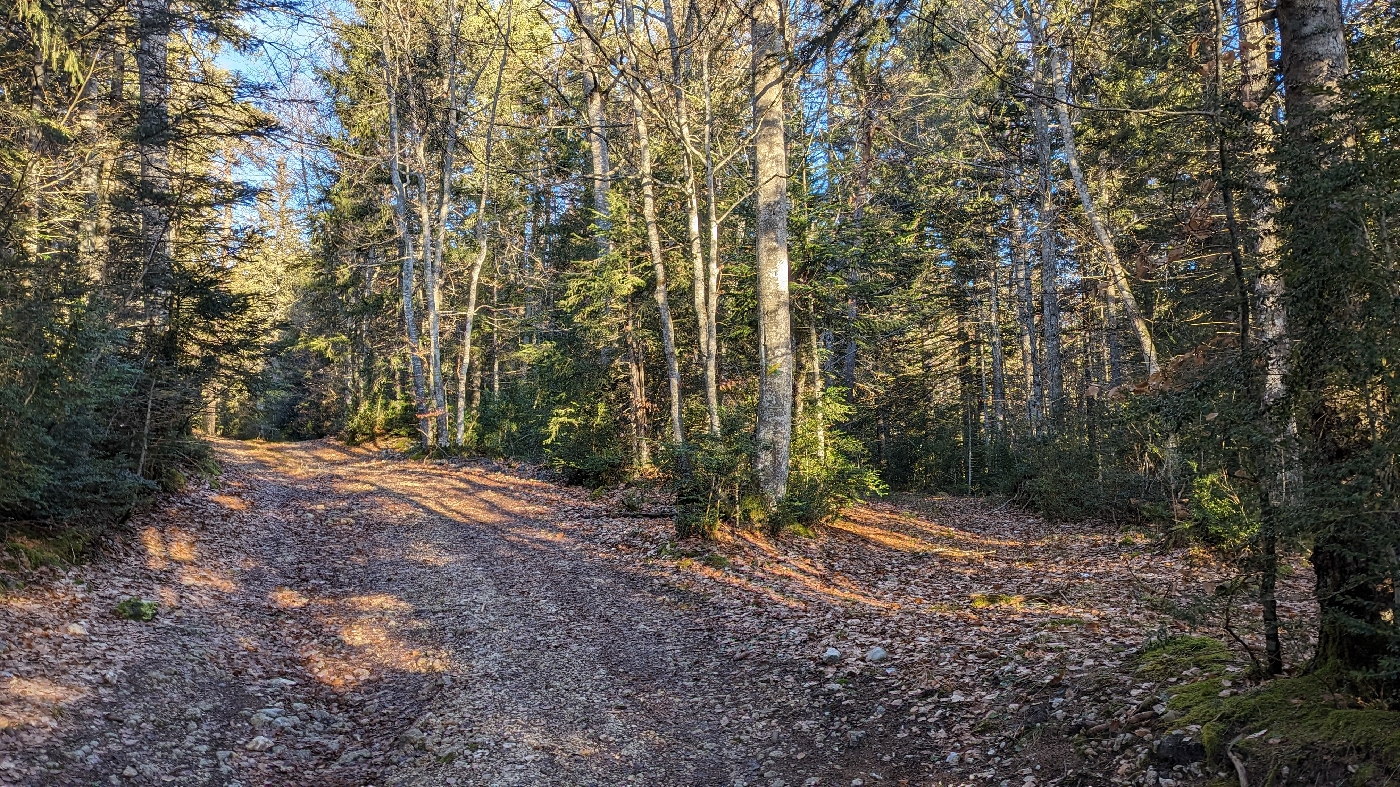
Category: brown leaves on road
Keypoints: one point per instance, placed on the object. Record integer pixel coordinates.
(337, 616)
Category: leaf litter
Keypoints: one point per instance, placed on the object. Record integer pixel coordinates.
(332, 615)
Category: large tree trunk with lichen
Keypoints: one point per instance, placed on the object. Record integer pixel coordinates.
(1350, 556)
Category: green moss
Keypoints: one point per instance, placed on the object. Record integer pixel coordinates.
(986, 600)
(1175, 655)
(134, 608)
(1213, 739)
(715, 560)
(1306, 725)
(29, 548)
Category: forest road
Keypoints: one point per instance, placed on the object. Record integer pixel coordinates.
(332, 617)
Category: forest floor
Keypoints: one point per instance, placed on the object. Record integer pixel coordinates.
(331, 615)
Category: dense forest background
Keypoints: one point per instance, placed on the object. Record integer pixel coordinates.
(1130, 260)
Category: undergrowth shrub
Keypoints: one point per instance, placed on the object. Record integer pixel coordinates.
(582, 445)
(829, 467)
(715, 482)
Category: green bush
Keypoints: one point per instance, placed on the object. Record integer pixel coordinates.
(713, 477)
(1222, 513)
(133, 608)
(829, 470)
(582, 445)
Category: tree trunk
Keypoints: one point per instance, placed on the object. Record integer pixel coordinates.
(1271, 338)
(153, 19)
(636, 373)
(1118, 279)
(1025, 318)
(818, 384)
(594, 100)
(1047, 217)
(482, 248)
(402, 229)
(998, 359)
(434, 260)
(658, 261)
(774, 429)
(699, 275)
(1350, 560)
(432, 288)
(712, 262)
(860, 198)
(92, 241)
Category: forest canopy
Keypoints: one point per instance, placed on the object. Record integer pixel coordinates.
(1130, 260)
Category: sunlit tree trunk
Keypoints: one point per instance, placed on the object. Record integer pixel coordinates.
(1047, 219)
(774, 431)
(712, 262)
(601, 164)
(1256, 95)
(435, 229)
(405, 237)
(482, 246)
(699, 276)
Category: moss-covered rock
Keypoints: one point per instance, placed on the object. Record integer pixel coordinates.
(1175, 656)
(1305, 724)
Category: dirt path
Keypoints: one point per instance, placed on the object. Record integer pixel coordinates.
(330, 616)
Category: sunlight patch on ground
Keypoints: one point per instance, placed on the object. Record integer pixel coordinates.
(231, 502)
(31, 702)
(286, 598)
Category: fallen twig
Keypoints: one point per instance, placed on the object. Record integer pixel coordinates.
(1235, 758)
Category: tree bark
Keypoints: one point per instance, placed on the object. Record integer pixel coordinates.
(408, 265)
(433, 257)
(594, 100)
(712, 262)
(1118, 279)
(998, 359)
(1025, 317)
(1256, 94)
(153, 20)
(658, 260)
(774, 428)
(1047, 217)
(1352, 565)
(482, 247)
(699, 275)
